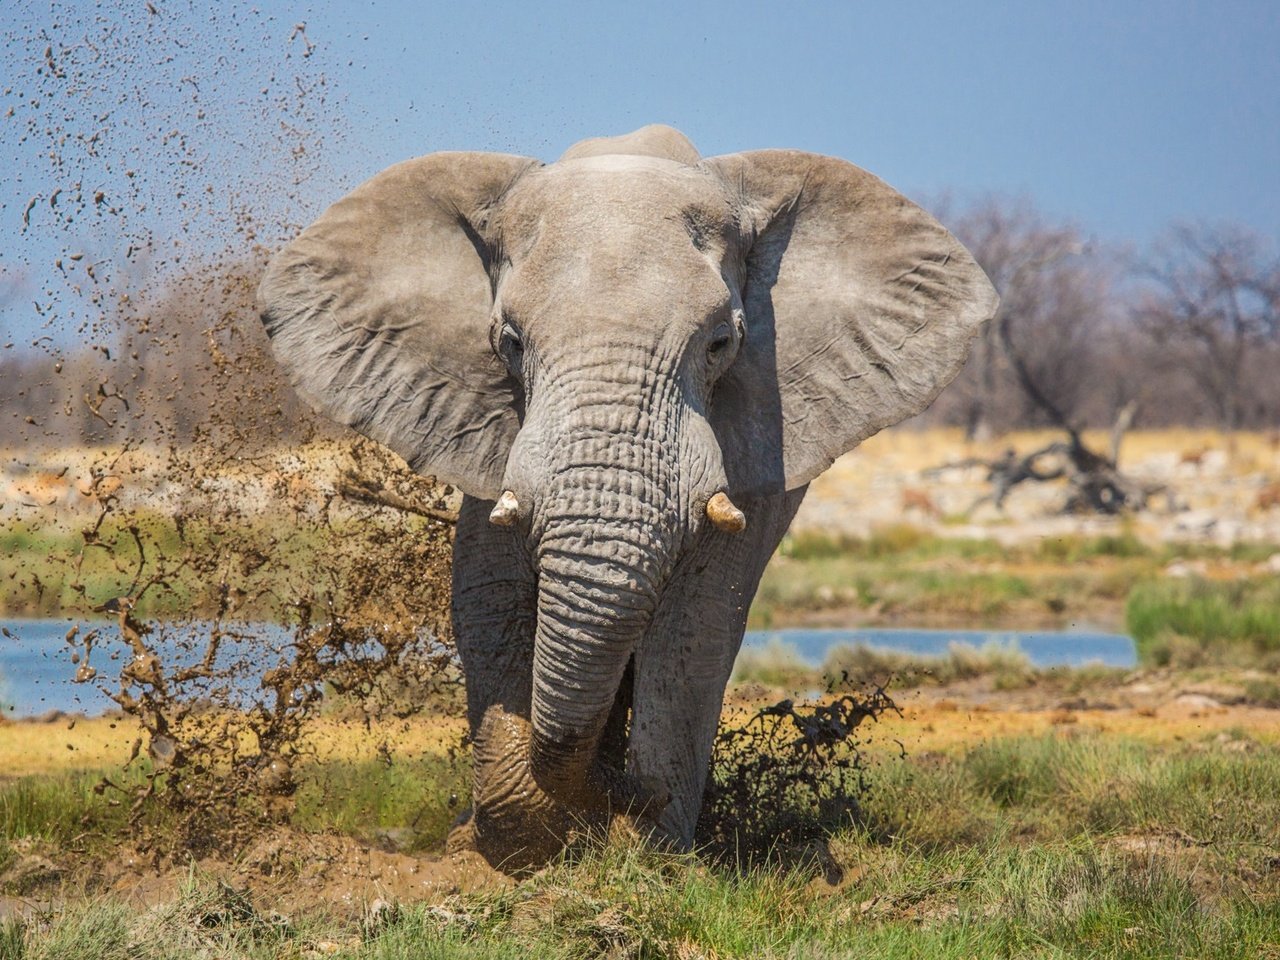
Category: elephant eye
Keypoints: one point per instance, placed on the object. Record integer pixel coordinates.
(510, 346)
(721, 340)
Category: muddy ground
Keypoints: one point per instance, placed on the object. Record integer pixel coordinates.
(293, 871)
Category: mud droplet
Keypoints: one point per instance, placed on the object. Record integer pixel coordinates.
(163, 751)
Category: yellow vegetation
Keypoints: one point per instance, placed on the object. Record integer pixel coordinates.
(103, 743)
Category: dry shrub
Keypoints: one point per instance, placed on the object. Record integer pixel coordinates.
(1007, 664)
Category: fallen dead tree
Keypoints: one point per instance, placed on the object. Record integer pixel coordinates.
(1095, 482)
(353, 486)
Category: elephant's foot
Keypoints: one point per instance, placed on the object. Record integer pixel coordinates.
(621, 793)
(635, 832)
(516, 825)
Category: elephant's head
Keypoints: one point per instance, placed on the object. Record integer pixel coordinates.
(615, 347)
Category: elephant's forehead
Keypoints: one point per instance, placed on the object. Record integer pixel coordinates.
(614, 197)
(618, 236)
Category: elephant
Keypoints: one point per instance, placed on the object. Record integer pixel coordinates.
(632, 362)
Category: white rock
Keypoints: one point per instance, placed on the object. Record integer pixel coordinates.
(1196, 701)
(1185, 568)
(1199, 522)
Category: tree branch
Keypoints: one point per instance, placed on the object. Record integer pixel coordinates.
(354, 487)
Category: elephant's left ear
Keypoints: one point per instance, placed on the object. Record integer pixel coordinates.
(860, 308)
(380, 314)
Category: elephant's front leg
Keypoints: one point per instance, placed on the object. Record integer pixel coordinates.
(684, 661)
(513, 823)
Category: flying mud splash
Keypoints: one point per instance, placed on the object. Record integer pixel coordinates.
(789, 775)
(163, 475)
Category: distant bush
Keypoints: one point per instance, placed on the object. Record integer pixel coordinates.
(895, 539)
(812, 545)
(776, 664)
(1263, 692)
(963, 661)
(1073, 548)
(887, 542)
(1197, 621)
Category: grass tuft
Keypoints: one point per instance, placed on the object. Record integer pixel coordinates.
(1196, 621)
(1008, 664)
(776, 664)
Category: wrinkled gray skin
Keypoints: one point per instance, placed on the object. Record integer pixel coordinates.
(615, 338)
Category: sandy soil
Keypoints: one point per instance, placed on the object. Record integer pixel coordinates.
(1219, 485)
(59, 742)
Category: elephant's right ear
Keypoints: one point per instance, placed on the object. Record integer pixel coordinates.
(860, 308)
(380, 312)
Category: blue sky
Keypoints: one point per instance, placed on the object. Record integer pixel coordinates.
(1123, 115)
(1120, 116)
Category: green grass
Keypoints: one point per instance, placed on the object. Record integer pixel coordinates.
(51, 562)
(60, 565)
(1030, 846)
(906, 541)
(903, 572)
(891, 587)
(777, 665)
(57, 808)
(412, 803)
(1007, 664)
(1195, 621)
(1263, 692)
(1072, 549)
(1077, 899)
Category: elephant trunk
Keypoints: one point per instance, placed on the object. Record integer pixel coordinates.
(597, 590)
(607, 523)
(610, 492)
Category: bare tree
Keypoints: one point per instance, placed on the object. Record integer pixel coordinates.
(1212, 298)
(1044, 360)
(1048, 356)
(167, 366)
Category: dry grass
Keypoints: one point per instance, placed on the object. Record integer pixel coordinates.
(36, 748)
(942, 720)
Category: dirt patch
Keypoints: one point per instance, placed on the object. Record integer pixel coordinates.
(283, 873)
(292, 872)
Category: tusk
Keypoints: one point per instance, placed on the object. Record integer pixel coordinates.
(506, 511)
(726, 517)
